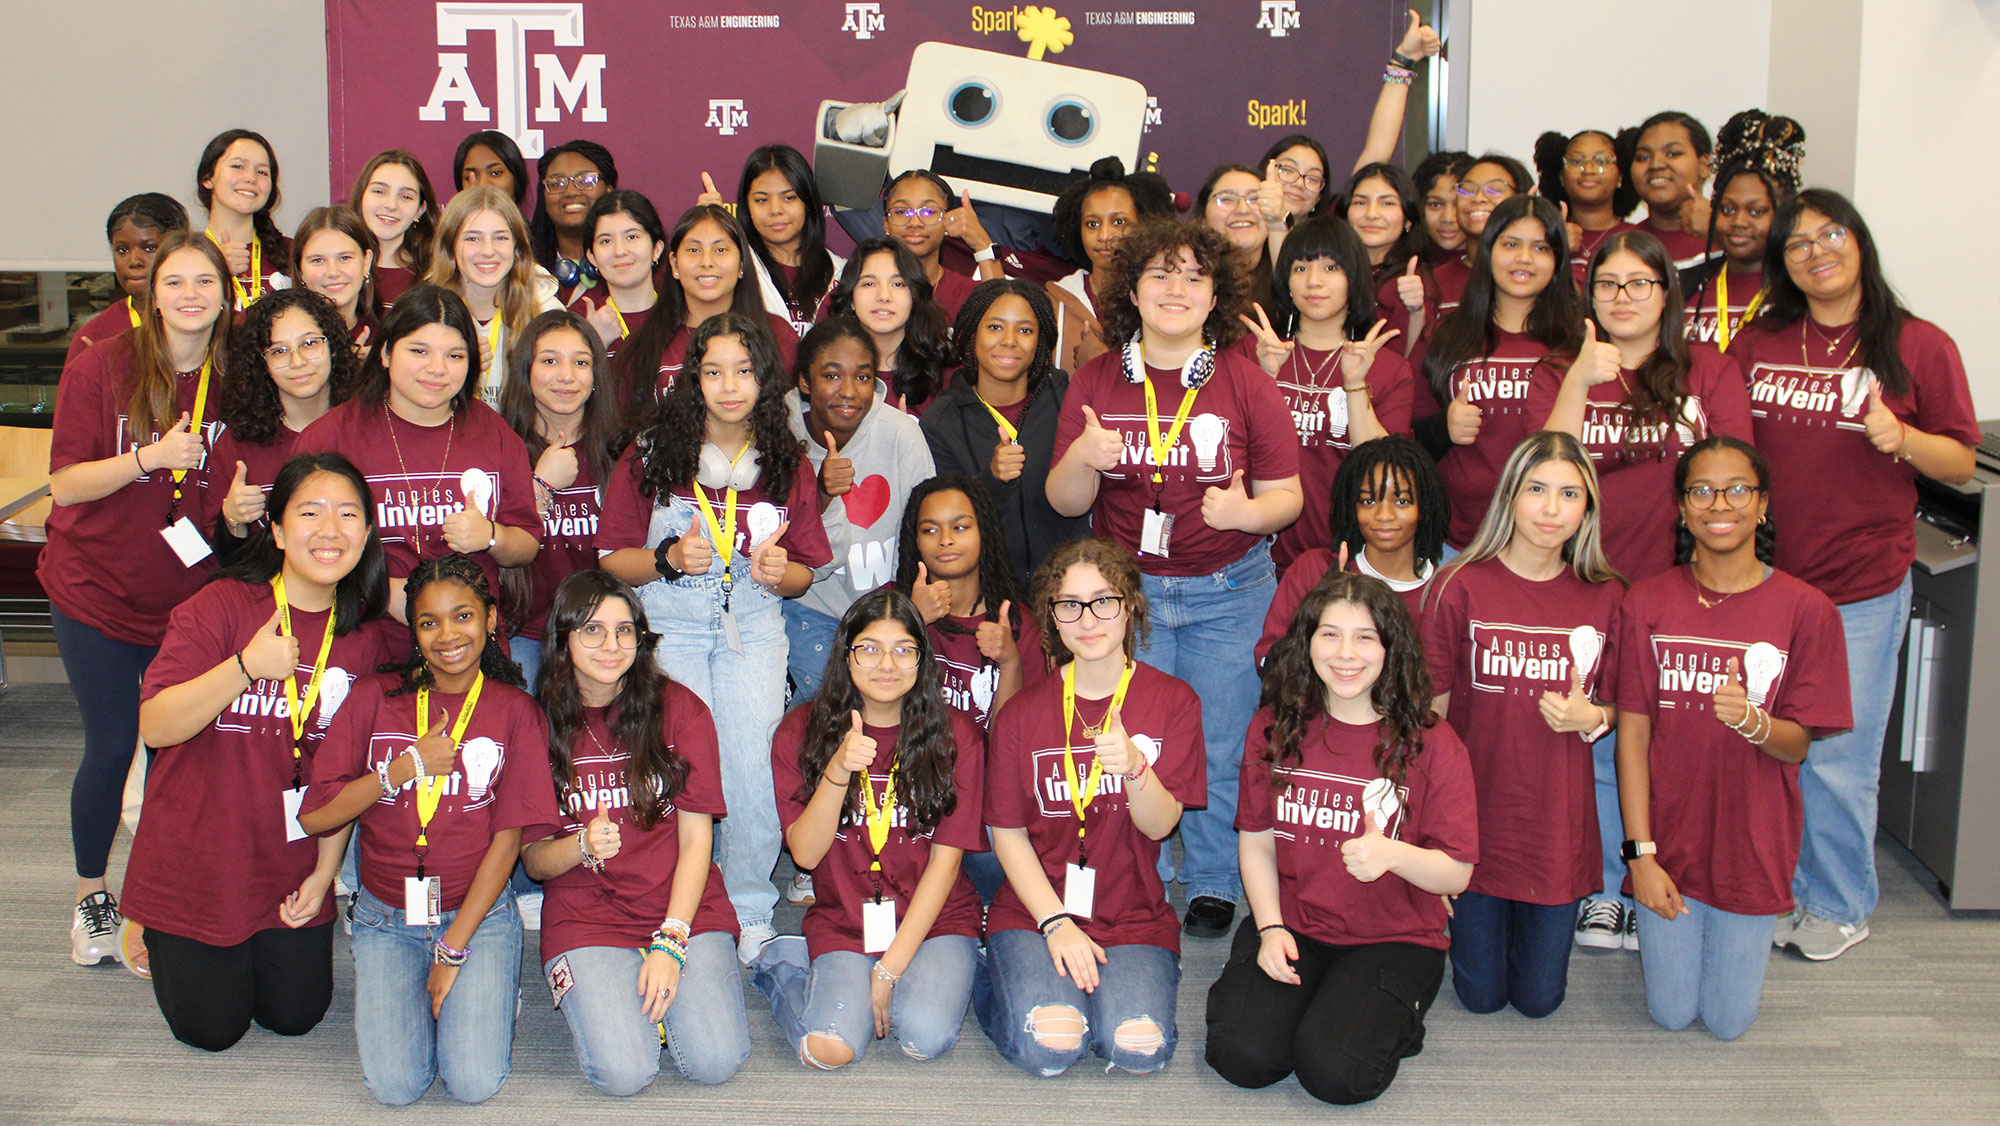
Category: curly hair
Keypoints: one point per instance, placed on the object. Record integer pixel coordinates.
(1120, 570)
(670, 446)
(926, 346)
(655, 772)
(1296, 695)
(1151, 199)
(460, 569)
(1163, 240)
(252, 406)
(1766, 544)
(996, 574)
(925, 756)
(1396, 463)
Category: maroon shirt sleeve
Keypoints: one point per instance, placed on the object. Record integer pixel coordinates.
(805, 540)
(1444, 631)
(1938, 384)
(1305, 573)
(524, 794)
(1725, 397)
(786, 743)
(1007, 801)
(628, 514)
(1392, 388)
(517, 482)
(1253, 780)
(1817, 692)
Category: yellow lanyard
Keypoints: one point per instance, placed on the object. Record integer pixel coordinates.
(243, 299)
(878, 820)
(623, 331)
(723, 532)
(1162, 446)
(200, 410)
(430, 790)
(1722, 308)
(1080, 799)
(132, 310)
(1008, 430)
(298, 711)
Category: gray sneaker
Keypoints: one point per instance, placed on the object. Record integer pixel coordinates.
(1781, 932)
(1822, 940)
(1600, 925)
(93, 930)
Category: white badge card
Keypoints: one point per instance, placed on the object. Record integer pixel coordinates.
(730, 636)
(421, 900)
(878, 925)
(1079, 890)
(1155, 532)
(186, 540)
(293, 798)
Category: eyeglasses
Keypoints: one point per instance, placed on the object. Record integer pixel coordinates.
(1703, 496)
(593, 635)
(915, 214)
(1292, 174)
(1638, 289)
(582, 181)
(1598, 163)
(1229, 201)
(1495, 191)
(869, 656)
(1834, 239)
(311, 348)
(1104, 609)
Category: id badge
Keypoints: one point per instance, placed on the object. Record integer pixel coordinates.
(421, 900)
(293, 798)
(1156, 531)
(730, 636)
(878, 925)
(1079, 890)
(186, 541)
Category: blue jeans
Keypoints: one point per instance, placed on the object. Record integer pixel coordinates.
(811, 634)
(1707, 963)
(1503, 951)
(1610, 819)
(527, 653)
(831, 996)
(619, 1049)
(1842, 776)
(1205, 630)
(470, 1044)
(1018, 978)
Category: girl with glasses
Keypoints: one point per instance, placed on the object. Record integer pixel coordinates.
(394, 197)
(572, 177)
(1228, 204)
(1486, 182)
(879, 784)
(919, 210)
(1580, 174)
(1731, 670)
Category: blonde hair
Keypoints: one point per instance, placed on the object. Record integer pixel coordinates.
(517, 302)
(1584, 552)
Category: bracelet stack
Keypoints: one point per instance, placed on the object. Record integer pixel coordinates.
(382, 776)
(1048, 926)
(672, 940)
(591, 863)
(443, 954)
(1397, 75)
(1756, 726)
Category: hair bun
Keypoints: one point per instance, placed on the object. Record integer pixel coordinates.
(1768, 143)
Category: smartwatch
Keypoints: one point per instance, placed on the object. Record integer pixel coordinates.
(1633, 850)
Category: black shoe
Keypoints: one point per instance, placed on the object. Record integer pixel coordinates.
(1209, 917)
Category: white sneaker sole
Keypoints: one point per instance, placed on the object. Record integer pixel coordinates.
(1854, 940)
(1594, 940)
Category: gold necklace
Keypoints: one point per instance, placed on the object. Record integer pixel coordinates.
(1831, 344)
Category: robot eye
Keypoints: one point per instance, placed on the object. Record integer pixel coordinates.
(1071, 121)
(973, 103)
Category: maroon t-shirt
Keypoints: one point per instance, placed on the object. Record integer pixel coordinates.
(1302, 575)
(261, 463)
(1498, 385)
(674, 357)
(417, 473)
(623, 904)
(628, 515)
(951, 291)
(1496, 642)
(113, 321)
(1026, 789)
(105, 564)
(1452, 276)
(1580, 254)
(1843, 510)
(1685, 249)
(210, 860)
(1311, 384)
(1703, 301)
(1636, 480)
(569, 545)
(1725, 815)
(842, 881)
(1238, 421)
(501, 782)
(392, 282)
(969, 678)
(1322, 801)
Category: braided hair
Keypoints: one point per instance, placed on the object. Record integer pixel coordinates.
(997, 583)
(1398, 464)
(460, 569)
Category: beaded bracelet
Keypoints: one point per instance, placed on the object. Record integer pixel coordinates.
(382, 775)
(676, 927)
(1394, 75)
(416, 756)
(591, 863)
(882, 974)
(444, 955)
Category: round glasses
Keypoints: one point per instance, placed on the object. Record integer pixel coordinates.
(869, 655)
(311, 348)
(1104, 609)
(1292, 174)
(915, 214)
(1598, 163)
(594, 635)
(1704, 496)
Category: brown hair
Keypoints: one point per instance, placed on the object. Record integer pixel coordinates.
(1164, 237)
(152, 408)
(346, 221)
(1118, 567)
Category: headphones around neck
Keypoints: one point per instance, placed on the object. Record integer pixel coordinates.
(568, 272)
(716, 471)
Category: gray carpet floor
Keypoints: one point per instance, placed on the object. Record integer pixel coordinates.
(1906, 1027)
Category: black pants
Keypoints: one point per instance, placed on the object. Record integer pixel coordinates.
(281, 978)
(1345, 1028)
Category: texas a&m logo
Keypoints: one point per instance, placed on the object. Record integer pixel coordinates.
(1280, 17)
(727, 115)
(576, 88)
(864, 20)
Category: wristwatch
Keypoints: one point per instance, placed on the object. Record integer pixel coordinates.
(1633, 850)
(667, 570)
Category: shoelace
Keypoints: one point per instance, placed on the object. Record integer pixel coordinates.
(1602, 913)
(100, 915)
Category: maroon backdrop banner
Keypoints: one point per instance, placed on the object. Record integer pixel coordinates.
(677, 88)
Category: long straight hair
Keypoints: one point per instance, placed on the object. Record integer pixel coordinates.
(921, 358)
(815, 263)
(423, 229)
(925, 756)
(420, 305)
(1659, 391)
(502, 146)
(541, 226)
(1584, 551)
(517, 302)
(1555, 321)
(656, 772)
(270, 241)
(1415, 241)
(1880, 326)
(152, 399)
(361, 595)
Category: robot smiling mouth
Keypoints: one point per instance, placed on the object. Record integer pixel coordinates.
(949, 162)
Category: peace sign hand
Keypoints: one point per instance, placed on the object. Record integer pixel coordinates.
(1358, 356)
(1273, 351)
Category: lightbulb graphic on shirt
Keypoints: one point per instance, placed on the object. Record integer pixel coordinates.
(1693, 422)
(1761, 665)
(1855, 383)
(1147, 746)
(1379, 802)
(763, 522)
(479, 759)
(333, 685)
(1585, 643)
(983, 684)
(1207, 430)
(476, 486)
(1336, 413)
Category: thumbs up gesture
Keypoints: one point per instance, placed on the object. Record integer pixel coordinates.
(836, 473)
(855, 754)
(600, 837)
(604, 319)
(1571, 712)
(768, 559)
(1271, 196)
(557, 465)
(179, 448)
(1732, 703)
(1369, 855)
(1103, 448)
(996, 640)
(1115, 749)
(271, 655)
(1574, 230)
(1273, 351)
(708, 193)
(696, 553)
(1226, 509)
(439, 751)
(244, 502)
(1886, 432)
(933, 599)
(1008, 460)
(1461, 416)
(1597, 361)
(962, 223)
(237, 254)
(1695, 213)
(1410, 287)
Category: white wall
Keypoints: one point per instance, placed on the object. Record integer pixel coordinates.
(107, 98)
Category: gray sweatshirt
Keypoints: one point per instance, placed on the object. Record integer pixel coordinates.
(890, 458)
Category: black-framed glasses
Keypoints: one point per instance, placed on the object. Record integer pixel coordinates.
(1834, 239)
(1292, 174)
(1597, 163)
(1104, 609)
(869, 655)
(594, 635)
(583, 181)
(1638, 289)
(915, 214)
(1703, 496)
(311, 348)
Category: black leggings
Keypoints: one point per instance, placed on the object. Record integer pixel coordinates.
(1355, 1014)
(106, 676)
(281, 978)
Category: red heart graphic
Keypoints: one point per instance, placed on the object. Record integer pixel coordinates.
(867, 500)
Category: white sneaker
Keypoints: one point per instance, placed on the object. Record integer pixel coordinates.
(530, 906)
(755, 937)
(1822, 940)
(801, 890)
(93, 930)
(1601, 925)
(1781, 931)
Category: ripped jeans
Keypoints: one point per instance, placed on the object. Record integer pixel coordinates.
(830, 996)
(1128, 1021)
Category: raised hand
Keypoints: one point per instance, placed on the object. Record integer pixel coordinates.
(855, 754)
(1597, 361)
(768, 559)
(1570, 712)
(179, 448)
(708, 193)
(557, 465)
(1115, 748)
(1572, 229)
(933, 599)
(1410, 287)
(1695, 212)
(1461, 417)
(244, 503)
(237, 254)
(604, 319)
(271, 655)
(1008, 461)
(600, 837)
(469, 530)
(697, 554)
(1273, 351)
(439, 749)
(1419, 40)
(996, 640)
(1731, 702)
(1271, 196)
(962, 223)
(1103, 448)
(1226, 509)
